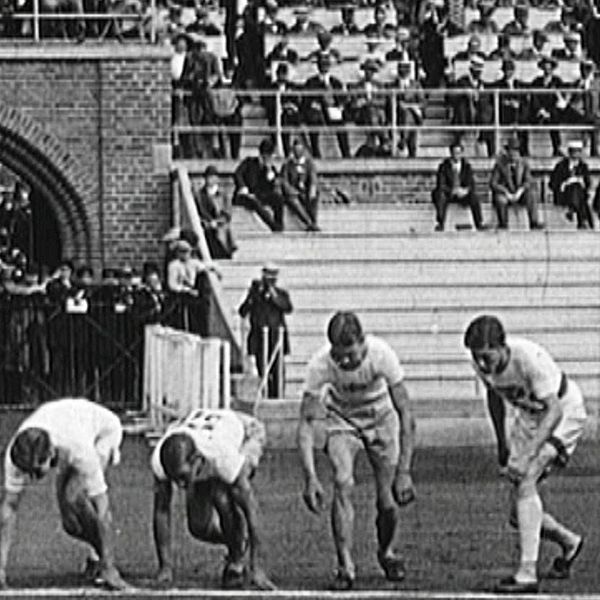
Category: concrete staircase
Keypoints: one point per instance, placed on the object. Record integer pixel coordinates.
(419, 290)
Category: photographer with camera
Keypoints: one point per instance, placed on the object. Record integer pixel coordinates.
(267, 304)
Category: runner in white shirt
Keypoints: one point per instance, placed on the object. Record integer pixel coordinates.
(81, 439)
(549, 420)
(213, 455)
(354, 387)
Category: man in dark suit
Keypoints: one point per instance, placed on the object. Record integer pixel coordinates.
(257, 186)
(570, 184)
(267, 304)
(520, 24)
(571, 49)
(347, 26)
(511, 184)
(455, 183)
(324, 107)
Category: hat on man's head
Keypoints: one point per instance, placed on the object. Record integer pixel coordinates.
(512, 143)
(522, 7)
(369, 64)
(508, 64)
(575, 145)
(182, 246)
(547, 60)
(486, 4)
(210, 170)
(540, 34)
(270, 268)
(324, 36)
(477, 63)
(181, 34)
(301, 10)
(349, 7)
(266, 147)
(588, 64)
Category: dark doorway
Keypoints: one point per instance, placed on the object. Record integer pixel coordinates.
(45, 235)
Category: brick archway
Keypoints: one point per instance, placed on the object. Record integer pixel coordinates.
(41, 160)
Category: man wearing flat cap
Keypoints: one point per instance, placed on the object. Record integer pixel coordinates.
(322, 107)
(266, 304)
(511, 185)
(570, 185)
(546, 106)
(348, 26)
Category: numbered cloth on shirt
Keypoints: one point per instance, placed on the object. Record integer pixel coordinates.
(225, 438)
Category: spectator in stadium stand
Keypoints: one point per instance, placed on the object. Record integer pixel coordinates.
(455, 183)
(266, 304)
(302, 25)
(4, 247)
(202, 25)
(547, 106)
(282, 53)
(271, 23)
(566, 23)
(215, 216)
(514, 108)
(325, 108)
(257, 186)
(433, 27)
(374, 147)
(485, 24)
(511, 185)
(379, 27)
(403, 48)
(570, 184)
(409, 110)
(503, 51)
(592, 34)
(572, 48)
(325, 39)
(365, 106)
(473, 49)
(538, 48)
(290, 104)
(300, 184)
(179, 103)
(520, 24)
(583, 106)
(184, 270)
(348, 25)
(150, 297)
(250, 72)
(61, 286)
(374, 50)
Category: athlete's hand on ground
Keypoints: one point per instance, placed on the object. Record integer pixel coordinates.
(165, 575)
(314, 495)
(258, 578)
(403, 489)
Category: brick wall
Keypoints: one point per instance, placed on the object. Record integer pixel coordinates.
(95, 118)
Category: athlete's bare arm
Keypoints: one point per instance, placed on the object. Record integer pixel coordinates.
(163, 492)
(8, 517)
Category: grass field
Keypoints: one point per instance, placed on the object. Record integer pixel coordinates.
(455, 537)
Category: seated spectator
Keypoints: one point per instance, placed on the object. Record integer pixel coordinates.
(150, 296)
(281, 52)
(503, 51)
(514, 108)
(379, 27)
(348, 26)
(214, 216)
(511, 185)
(409, 106)
(403, 49)
(570, 185)
(290, 104)
(538, 49)
(374, 147)
(473, 49)
(183, 270)
(583, 107)
(520, 24)
(365, 106)
(568, 21)
(571, 49)
(300, 186)
(271, 23)
(324, 39)
(257, 186)
(202, 25)
(455, 183)
(324, 108)
(546, 106)
(485, 24)
(302, 25)
(374, 51)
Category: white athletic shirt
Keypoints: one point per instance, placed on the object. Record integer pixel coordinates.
(530, 376)
(86, 435)
(218, 435)
(364, 388)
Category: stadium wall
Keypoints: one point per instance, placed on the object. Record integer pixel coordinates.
(89, 127)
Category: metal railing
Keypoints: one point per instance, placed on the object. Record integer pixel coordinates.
(390, 102)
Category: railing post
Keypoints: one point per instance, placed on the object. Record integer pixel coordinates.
(152, 21)
(36, 20)
(394, 124)
(496, 119)
(265, 360)
(278, 133)
(280, 363)
(226, 371)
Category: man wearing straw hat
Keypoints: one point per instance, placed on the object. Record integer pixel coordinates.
(267, 304)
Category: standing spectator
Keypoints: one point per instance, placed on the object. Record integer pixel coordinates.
(513, 107)
(511, 185)
(214, 216)
(520, 24)
(267, 304)
(409, 109)
(257, 186)
(183, 270)
(301, 186)
(180, 102)
(570, 184)
(325, 108)
(434, 25)
(348, 25)
(456, 183)
(250, 49)
(485, 24)
(544, 105)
